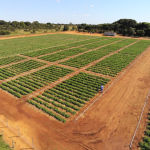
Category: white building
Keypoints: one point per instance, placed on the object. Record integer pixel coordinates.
(110, 33)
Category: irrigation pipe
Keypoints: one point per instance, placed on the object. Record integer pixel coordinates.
(139, 119)
(111, 84)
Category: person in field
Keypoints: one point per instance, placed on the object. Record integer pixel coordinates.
(101, 88)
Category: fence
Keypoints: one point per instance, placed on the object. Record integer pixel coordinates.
(17, 132)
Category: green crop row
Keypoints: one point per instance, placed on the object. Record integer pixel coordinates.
(145, 144)
(18, 68)
(6, 73)
(60, 101)
(112, 65)
(57, 48)
(51, 107)
(100, 43)
(31, 82)
(46, 111)
(73, 93)
(136, 48)
(45, 51)
(8, 60)
(87, 41)
(118, 45)
(62, 54)
(85, 59)
(16, 94)
(56, 104)
(26, 66)
(26, 44)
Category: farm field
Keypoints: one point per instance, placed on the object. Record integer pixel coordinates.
(72, 93)
(58, 48)
(16, 69)
(89, 57)
(53, 96)
(27, 84)
(8, 60)
(114, 64)
(21, 45)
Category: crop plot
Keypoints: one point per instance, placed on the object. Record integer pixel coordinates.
(89, 57)
(68, 97)
(117, 46)
(9, 60)
(58, 48)
(26, 44)
(45, 51)
(112, 65)
(29, 83)
(101, 43)
(137, 48)
(84, 59)
(87, 41)
(19, 68)
(63, 54)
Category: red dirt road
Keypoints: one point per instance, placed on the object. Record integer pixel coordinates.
(108, 125)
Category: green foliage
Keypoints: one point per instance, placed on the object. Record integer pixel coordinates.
(100, 43)
(3, 145)
(66, 27)
(24, 44)
(140, 32)
(112, 65)
(58, 48)
(63, 54)
(29, 83)
(136, 48)
(8, 60)
(4, 32)
(18, 68)
(71, 94)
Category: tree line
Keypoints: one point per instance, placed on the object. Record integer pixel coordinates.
(8, 27)
(126, 27)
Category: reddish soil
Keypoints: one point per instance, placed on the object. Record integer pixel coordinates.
(108, 125)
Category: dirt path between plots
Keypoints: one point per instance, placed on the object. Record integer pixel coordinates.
(68, 32)
(109, 124)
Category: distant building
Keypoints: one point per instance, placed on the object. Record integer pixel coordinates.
(110, 33)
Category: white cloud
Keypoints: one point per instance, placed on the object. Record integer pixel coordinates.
(74, 15)
(91, 5)
(86, 15)
(57, 0)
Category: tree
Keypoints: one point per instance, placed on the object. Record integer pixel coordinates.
(131, 31)
(2, 22)
(140, 32)
(66, 28)
(16, 24)
(22, 24)
(27, 23)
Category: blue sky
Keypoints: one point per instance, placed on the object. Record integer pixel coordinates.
(75, 11)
